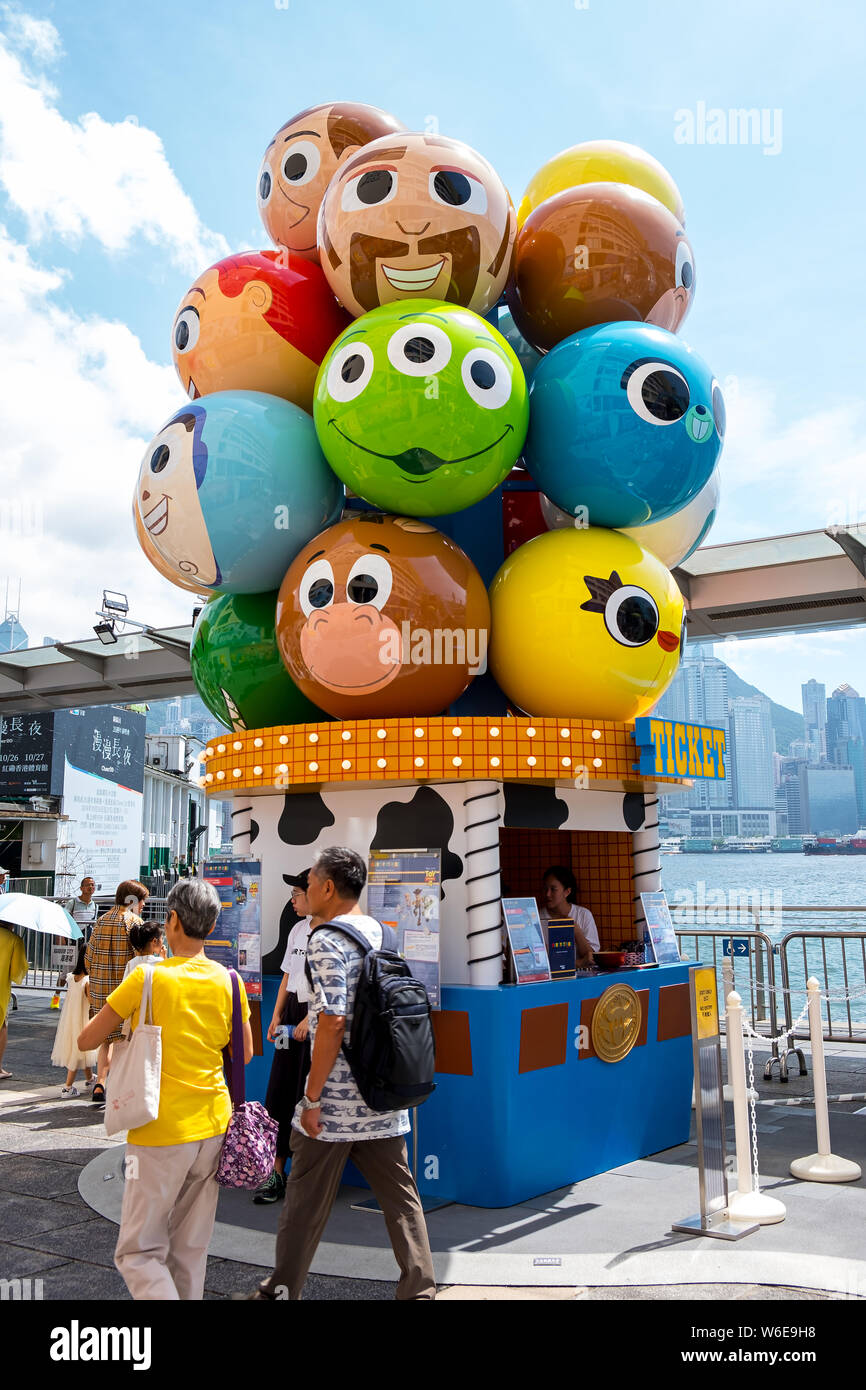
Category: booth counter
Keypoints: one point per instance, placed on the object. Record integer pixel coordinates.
(524, 1103)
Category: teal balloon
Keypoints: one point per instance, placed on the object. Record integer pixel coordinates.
(237, 667)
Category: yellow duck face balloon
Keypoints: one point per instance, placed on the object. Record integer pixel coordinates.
(585, 624)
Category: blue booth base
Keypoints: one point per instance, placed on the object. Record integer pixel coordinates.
(525, 1106)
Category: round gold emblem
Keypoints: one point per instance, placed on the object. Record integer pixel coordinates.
(616, 1023)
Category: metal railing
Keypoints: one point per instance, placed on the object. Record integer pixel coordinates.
(771, 974)
(42, 974)
(754, 972)
(841, 975)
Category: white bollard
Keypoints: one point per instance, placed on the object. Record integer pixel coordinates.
(727, 989)
(747, 1203)
(823, 1166)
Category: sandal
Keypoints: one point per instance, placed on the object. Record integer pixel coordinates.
(5, 1075)
(98, 1093)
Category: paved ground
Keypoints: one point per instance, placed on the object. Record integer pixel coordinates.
(50, 1233)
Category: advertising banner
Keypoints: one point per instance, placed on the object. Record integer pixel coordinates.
(237, 939)
(403, 891)
(26, 743)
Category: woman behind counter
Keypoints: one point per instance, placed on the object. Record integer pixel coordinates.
(560, 902)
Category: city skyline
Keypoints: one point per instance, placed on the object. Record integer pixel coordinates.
(817, 785)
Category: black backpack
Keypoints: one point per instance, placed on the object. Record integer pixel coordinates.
(391, 1051)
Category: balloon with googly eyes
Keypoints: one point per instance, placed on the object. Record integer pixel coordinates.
(416, 216)
(301, 160)
(382, 615)
(421, 408)
(599, 253)
(230, 489)
(626, 425)
(585, 624)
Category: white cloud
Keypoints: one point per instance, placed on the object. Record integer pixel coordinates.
(90, 177)
(783, 474)
(36, 36)
(80, 401)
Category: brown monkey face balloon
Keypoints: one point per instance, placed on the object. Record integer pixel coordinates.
(382, 615)
(599, 253)
(302, 159)
(416, 216)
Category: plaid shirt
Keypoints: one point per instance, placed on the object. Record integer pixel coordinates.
(106, 956)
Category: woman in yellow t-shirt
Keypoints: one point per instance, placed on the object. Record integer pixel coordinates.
(13, 968)
(170, 1193)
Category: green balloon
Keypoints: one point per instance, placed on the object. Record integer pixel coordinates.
(237, 667)
(421, 408)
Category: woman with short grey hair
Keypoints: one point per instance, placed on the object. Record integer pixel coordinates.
(170, 1193)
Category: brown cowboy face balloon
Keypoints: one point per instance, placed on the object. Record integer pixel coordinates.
(599, 253)
(302, 159)
(416, 217)
(382, 615)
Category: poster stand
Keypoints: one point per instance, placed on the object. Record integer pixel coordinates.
(713, 1219)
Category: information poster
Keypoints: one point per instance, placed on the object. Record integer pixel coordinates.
(404, 892)
(237, 939)
(659, 937)
(526, 939)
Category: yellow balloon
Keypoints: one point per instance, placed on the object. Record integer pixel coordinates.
(601, 161)
(586, 624)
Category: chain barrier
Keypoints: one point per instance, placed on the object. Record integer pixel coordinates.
(749, 1031)
(780, 989)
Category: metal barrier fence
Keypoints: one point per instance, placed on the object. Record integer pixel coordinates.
(771, 966)
(42, 973)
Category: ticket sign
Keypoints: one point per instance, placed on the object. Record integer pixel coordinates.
(706, 1003)
(673, 748)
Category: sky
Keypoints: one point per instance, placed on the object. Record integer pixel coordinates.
(130, 142)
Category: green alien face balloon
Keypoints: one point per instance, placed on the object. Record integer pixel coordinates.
(421, 408)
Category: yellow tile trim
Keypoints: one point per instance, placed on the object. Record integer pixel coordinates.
(355, 752)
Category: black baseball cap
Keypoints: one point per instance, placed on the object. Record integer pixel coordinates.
(301, 880)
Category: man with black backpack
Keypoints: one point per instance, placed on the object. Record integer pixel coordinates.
(360, 986)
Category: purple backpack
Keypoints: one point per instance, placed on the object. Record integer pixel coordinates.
(250, 1145)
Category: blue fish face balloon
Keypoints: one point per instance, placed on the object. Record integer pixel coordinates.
(231, 488)
(625, 421)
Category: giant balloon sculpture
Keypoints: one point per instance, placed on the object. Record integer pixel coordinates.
(355, 356)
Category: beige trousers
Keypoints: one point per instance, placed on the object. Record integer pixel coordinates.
(166, 1222)
(311, 1191)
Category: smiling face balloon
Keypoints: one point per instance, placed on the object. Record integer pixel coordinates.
(302, 159)
(626, 422)
(415, 216)
(421, 408)
(586, 625)
(230, 489)
(382, 615)
(256, 322)
(603, 253)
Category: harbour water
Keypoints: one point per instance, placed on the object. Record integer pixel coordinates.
(720, 891)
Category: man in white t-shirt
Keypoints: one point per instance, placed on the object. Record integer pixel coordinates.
(332, 1122)
(83, 910)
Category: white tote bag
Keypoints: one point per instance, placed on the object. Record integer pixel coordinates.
(132, 1090)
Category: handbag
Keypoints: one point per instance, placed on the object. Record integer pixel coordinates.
(250, 1145)
(132, 1089)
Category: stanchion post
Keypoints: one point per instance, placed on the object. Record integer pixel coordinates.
(747, 1203)
(823, 1166)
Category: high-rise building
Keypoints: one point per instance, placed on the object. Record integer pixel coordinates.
(753, 744)
(846, 719)
(829, 800)
(815, 714)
